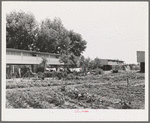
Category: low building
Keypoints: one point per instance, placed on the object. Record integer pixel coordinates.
(109, 64)
(141, 60)
(16, 57)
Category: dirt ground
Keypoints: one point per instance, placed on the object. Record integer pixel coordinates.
(123, 90)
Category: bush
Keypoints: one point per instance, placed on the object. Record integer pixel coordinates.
(64, 74)
(75, 73)
(10, 86)
(55, 98)
(34, 99)
(54, 74)
(59, 75)
(101, 71)
(63, 88)
(98, 71)
(70, 76)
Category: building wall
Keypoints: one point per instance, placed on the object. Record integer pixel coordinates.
(141, 59)
(28, 57)
(115, 63)
(142, 66)
(16, 58)
(111, 62)
(104, 61)
(140, 56)
(107, 67)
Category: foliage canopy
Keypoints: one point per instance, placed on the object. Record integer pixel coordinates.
(24, 32)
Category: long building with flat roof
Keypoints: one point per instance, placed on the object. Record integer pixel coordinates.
(109, 64)
(16, 58)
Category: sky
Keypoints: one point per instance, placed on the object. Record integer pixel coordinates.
(113, 30)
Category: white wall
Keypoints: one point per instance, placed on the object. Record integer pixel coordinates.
(16, 57)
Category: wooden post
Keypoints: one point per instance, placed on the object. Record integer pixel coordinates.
(10, 71)
(34, 68)
(13, 68)
(127, 82)
(19, 71)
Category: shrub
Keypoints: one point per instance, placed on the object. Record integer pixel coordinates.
(63, 88)
(59, 75)
(70, 76)
(97, 71)
(101, 71)
(34, 99)
(75, 73)
(17, 99)
(64, 74)
(10, 86)
(55, 98)
(54, 74)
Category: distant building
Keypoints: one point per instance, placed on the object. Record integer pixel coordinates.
(109, 64)
(141, 60)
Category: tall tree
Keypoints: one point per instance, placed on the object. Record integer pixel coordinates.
(53, 37)
(97, 63)
(77, 45)
(73, 46)
(82, 64)
(87, 62)
(20, 29)
(23, 32)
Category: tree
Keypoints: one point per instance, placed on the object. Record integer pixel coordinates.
(73, 46)
(23, 32)
(82, 64)
(53, 37)
(69, 60)
(97, 63)
(87, 63)
(81, 61)
(91, 64)
(77, 45)
(20, 29)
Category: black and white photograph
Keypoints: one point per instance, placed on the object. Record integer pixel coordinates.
(75, 60)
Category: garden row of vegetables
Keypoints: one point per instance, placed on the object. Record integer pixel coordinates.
(96, 92)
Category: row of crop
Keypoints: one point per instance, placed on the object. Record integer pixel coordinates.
(102, 94)
(46, 83)
(31, 99)
(82, 97)
(86, 95)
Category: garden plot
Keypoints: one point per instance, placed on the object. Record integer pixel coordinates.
(109, 91)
